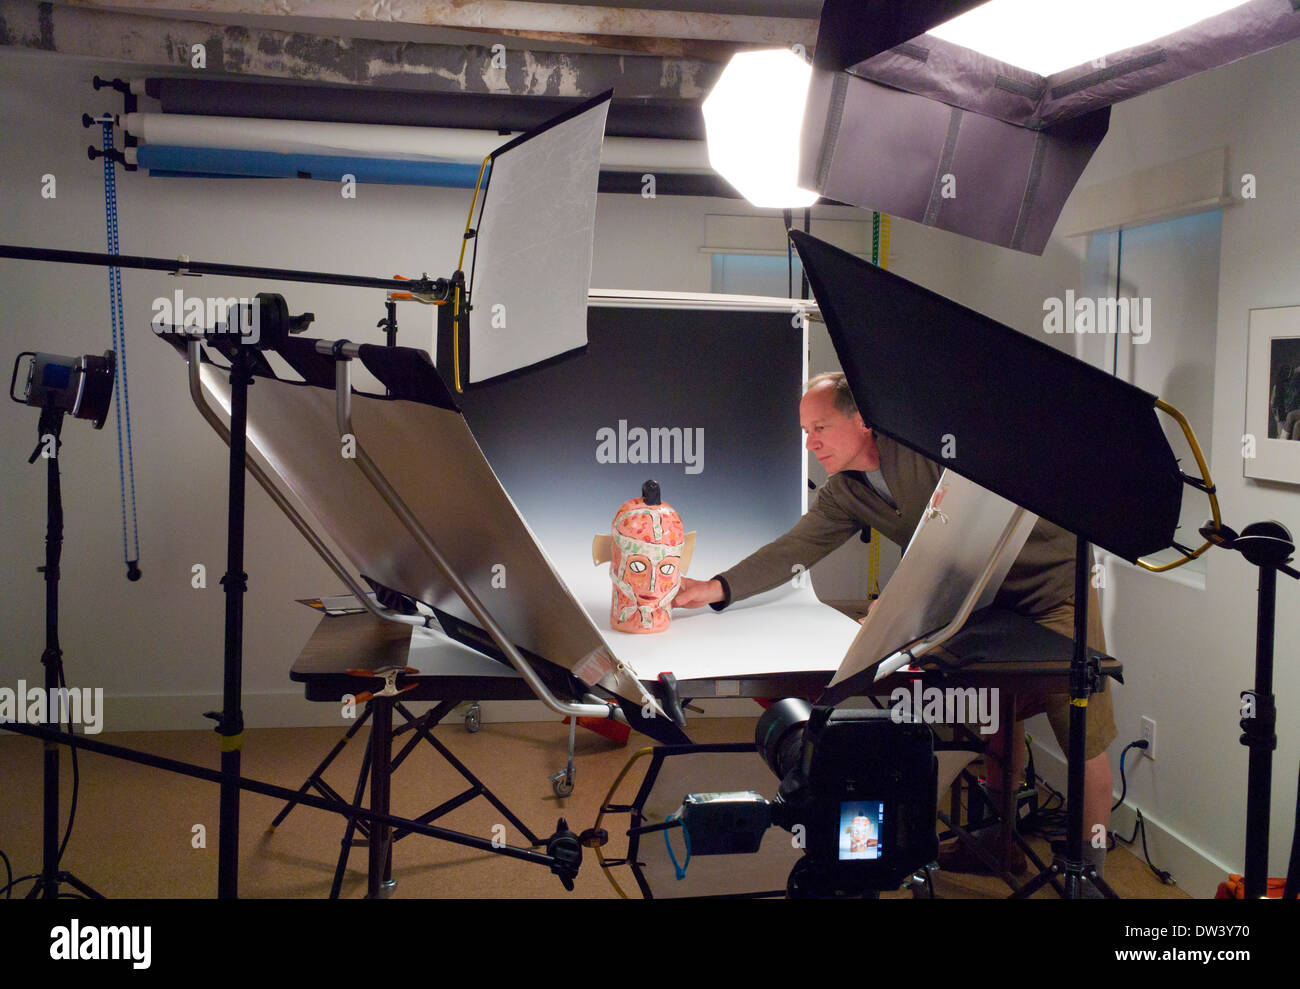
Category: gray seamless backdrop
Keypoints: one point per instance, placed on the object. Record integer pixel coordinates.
(736, 375)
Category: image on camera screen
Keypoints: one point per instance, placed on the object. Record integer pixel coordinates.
(861, 823)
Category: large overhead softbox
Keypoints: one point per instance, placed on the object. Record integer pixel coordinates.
(982, 123)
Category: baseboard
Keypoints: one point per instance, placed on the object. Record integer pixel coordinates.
(1193, 869)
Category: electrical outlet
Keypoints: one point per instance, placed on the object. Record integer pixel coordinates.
(1149, 734)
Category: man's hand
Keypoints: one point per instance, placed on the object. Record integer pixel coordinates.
(697, 593)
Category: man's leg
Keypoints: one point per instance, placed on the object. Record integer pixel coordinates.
(1005, 747)
(1098, 782)
(1098, 789)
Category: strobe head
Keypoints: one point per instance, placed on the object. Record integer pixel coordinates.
(82, 386)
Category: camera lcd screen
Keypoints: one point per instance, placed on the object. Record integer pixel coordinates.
(862, 824)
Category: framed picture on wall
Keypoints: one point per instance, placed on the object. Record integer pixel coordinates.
(1273, 395)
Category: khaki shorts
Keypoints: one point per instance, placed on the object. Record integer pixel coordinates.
(1101, 707)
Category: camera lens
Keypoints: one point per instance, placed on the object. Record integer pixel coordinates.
(779, 734)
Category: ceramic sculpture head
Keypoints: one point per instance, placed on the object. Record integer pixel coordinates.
(647, 543)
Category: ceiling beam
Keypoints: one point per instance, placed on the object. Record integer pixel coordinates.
(159, 42)
(510, 16)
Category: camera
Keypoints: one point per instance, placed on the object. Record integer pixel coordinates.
(863, 786)
(859, 788)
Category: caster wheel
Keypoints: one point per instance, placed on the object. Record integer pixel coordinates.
(562, 784)
(473, 719)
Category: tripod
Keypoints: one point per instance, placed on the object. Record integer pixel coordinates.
(51, 878)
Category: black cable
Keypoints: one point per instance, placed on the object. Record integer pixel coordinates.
(803, 277)
(1141, 825)
(9, 876)
(1119, 257)
(1141, 743)
(1049, 820)
(8, 889)
(788, 217)
(76, 775)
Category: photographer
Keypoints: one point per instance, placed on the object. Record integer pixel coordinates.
(879, 483)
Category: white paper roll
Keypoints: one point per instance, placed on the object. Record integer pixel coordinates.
(386, 140)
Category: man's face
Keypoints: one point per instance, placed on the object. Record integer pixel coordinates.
(839, 442)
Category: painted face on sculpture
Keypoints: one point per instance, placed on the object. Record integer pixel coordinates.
(860, 834)
(645, 565)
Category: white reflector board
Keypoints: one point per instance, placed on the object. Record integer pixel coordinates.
(957, 536)
(532, 252)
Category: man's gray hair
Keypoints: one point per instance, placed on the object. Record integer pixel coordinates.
(844, 403)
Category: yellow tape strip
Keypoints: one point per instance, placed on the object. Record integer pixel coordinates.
(232, 743)
(873, 565)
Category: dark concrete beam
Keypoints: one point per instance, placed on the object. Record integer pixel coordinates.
(156, 43)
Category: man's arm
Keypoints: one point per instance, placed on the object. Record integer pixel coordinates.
(826, 526)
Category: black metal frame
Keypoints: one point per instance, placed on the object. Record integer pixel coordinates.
(279, 792)
(424, 285)
(637, 827)
(377, 765)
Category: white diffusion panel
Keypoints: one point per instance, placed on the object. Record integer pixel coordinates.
(532, 261)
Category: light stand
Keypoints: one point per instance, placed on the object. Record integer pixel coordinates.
(48, 432)
(230, 719)
(1084, 675)
(1268, 546)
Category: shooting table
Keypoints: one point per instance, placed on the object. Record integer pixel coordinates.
(998, 649)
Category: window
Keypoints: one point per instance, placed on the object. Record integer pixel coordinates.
(1169, 273)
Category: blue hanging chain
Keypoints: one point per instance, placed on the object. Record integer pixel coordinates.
(125, 465)
(679, 869)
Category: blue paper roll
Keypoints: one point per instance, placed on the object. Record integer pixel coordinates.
(230, 163)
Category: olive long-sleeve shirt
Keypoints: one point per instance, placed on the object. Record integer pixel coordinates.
(1041, 578)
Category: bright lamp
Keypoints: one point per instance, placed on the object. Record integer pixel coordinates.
(752, 119)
